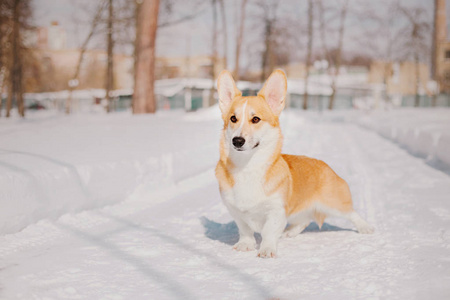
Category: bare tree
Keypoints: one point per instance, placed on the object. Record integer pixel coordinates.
(169, 17)
(15, 72)
(144, 100)
(110, 64)
(309, 51)
(213, 50)
(3, 34)
(336, 59)
(323, 29)
(75, 79)
(416, 43)
(439, 34)
(240, 37)
(269, 10)
(20, 13)
(274, 40)
(117, 21)
(381, 35)
(337, 65)
(224, 30)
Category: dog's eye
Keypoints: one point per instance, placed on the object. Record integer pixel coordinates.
(255, 120)
(233, 119)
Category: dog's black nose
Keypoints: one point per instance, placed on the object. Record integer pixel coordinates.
(238, 141)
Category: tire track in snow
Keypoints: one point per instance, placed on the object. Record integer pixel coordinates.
(377, 159)
(328, 141)
(46, 232)
(359, 163)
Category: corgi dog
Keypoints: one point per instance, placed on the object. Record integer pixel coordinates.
(263, 189)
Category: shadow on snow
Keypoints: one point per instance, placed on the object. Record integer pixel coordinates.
(229, 233)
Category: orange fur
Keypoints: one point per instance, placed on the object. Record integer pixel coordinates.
(314, 181)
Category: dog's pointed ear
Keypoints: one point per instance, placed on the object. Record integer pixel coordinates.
(274, 91)
(227, 90)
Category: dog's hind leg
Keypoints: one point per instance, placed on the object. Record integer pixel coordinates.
(338, 202)
(297, 224)
(295, 229)
(361, 225)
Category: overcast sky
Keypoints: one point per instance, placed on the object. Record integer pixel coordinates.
(192, 37)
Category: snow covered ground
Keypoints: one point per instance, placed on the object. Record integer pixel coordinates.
(127, 207)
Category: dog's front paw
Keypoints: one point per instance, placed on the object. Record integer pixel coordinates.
(267, 252)
(366, 229)
(244, 246)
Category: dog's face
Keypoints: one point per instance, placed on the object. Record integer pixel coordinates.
(251, 122)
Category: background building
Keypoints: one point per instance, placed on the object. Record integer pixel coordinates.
(199, 66)
(400, 77)
(441, 51)
(57, 63)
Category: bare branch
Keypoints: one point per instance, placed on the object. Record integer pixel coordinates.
(94, 24)
(182, 19)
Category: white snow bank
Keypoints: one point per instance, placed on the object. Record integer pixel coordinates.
(425, 132)
(51, 165)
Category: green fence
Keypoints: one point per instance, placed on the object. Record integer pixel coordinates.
(426, 101)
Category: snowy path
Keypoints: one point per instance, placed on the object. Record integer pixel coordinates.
(176, 243)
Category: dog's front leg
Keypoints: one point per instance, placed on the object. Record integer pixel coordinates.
(271, 232)
(246, 237)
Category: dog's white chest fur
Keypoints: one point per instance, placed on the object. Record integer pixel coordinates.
(248, 191)
(247, 199)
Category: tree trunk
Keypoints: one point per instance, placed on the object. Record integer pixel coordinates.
(144, 100)
(20, 100)
(16, 72)
(322, 32)
(338, 54)
(214, 52)
(309, 52)
(225, 35)
(417, 69)
(333, 93)
(10, 99)
(137, 29)
(2, 78)
(17, 61)
(239, 40)
(386, 74)
(434, 99)
(1, 100)
(439, 36)
(109, 70)
(267, 50)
